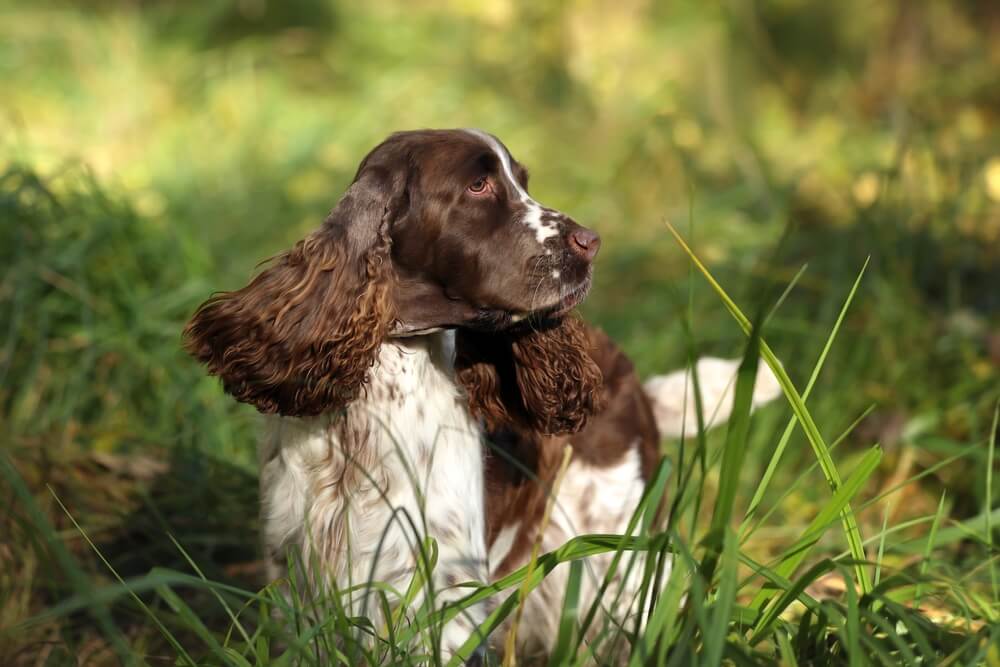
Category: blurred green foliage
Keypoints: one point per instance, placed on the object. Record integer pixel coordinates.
(225, 130)
(156, 151)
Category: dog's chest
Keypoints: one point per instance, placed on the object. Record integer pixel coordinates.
(403, 462)
(429, 441)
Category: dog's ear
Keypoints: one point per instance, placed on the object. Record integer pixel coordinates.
(543, 378)
(301, 337)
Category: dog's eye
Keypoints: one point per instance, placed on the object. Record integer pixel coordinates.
(479, 186)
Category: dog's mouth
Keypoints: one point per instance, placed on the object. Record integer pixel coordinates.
(502, 320)
(569, 301)
(560, 308)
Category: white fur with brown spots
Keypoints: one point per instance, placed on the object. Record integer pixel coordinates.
(601, 500)
(354, 494)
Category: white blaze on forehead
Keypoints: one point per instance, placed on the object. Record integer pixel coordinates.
(533, 216)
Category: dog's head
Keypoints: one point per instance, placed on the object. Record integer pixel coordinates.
(437, 230)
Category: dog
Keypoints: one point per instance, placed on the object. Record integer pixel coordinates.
(427, 319)
(347, 341)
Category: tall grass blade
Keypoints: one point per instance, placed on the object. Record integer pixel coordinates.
(749, 530)
(790, 595)
(510, 642)
(929, 548)
(988, 500)
(568, 619)
(649, 506)
(77, 578)
(715, 635)
(779, 450)
(786, 650)
(169, 636)
(881, 546)
(732, 454)
(191, 620)
(852, 629)
(834, 507)
(218, 596)
(849, 521)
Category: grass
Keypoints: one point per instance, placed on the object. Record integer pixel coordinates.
(151, 157)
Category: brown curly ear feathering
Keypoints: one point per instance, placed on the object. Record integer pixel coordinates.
(300, 339)
(540, 378)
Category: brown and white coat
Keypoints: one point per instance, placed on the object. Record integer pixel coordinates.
(347, 342)
(428, 311)
(613, 457)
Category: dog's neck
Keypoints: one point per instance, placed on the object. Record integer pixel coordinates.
(438, 344)
(403, 331)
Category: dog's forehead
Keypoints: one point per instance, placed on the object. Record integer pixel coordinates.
(441, 151)
(472, 143)
(491, 143)
(442, 154)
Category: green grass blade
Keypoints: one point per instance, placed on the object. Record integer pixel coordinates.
(786, 650)
(849, 521)
(191, 620)
(736, 437)
(929, 547)
(749, 530)
(852, 629)
(262, 640)
(834, 507)
(969, 529)
(582, 546)
(568, 619)
(648, 506)
(734, 449)
(772, 465)
(659, 629)
(788, 596)
(77, 578)
(218, 596)
(776, 581)
(912, 621)
(177, 646)
(988, 500)
(881, 547)
(235, 657)
(906, 655)
(715, 636)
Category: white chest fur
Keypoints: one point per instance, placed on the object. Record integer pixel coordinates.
(354, 493)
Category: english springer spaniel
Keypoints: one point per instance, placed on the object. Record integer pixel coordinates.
(375, 437)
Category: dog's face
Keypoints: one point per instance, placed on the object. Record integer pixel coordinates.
(436, 231)
(470, 246)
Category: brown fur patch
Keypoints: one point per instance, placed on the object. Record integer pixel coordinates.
(522, 464)
(540, 378)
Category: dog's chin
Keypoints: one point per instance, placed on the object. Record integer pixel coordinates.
(570, 301)
(513, 321)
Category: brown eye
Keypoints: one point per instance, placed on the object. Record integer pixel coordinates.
(479, 185)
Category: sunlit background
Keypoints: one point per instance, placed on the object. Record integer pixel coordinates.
(152, 152)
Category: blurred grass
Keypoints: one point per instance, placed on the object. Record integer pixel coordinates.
(152, 152)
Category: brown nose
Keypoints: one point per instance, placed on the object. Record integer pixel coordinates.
(584, 243)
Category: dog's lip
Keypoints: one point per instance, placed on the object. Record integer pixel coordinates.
(568, 302)
(556, 310)
(575, 297)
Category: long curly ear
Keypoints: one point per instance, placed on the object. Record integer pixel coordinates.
(300, 338)
(542, 378)
(484, 366)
